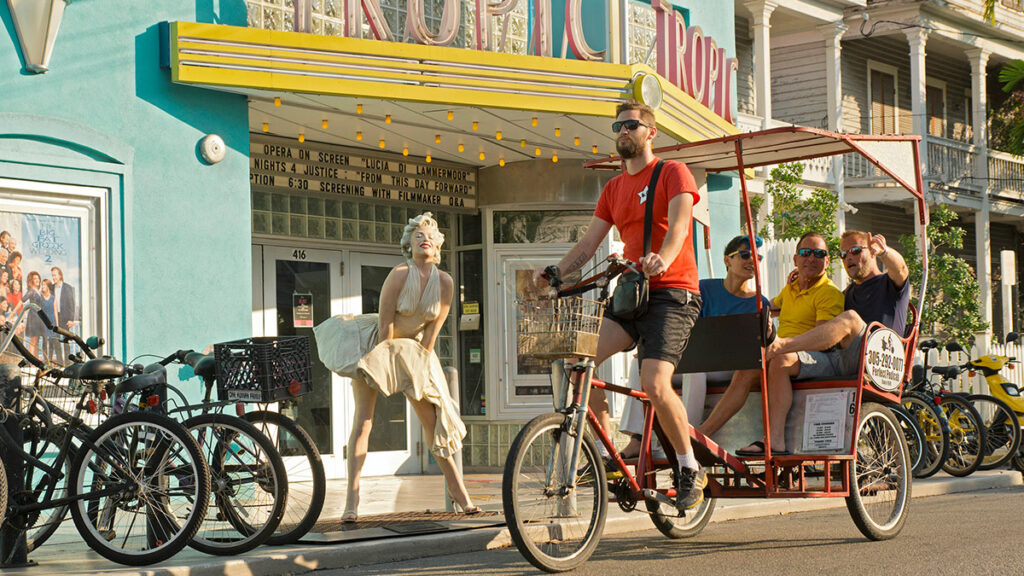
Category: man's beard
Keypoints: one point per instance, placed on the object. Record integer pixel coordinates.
(627, 148)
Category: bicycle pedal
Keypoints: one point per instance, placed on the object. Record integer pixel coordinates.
(107, 534)
(659, 498)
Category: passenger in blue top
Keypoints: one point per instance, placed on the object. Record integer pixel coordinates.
(733, 294)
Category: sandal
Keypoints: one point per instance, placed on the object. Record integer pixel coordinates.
(756, 448)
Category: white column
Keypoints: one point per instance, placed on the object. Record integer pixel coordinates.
(978, 58)
(833, 33)
(761, 12)
(917, 38)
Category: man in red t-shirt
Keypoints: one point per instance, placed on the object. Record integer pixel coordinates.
(661, 335)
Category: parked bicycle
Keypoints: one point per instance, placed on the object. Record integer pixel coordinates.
(136, 484)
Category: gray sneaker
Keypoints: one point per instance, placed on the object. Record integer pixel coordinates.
(690, 488)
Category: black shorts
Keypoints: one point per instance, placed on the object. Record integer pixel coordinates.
(662, 333)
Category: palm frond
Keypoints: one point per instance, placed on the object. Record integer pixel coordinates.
(1011, 75)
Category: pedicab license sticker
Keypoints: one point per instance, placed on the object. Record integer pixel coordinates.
(883, 359)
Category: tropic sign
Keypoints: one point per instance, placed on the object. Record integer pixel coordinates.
(686, 56)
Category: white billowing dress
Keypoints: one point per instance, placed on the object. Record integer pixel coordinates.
(401, 364)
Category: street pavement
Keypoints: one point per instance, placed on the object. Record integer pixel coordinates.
(373, 543)
(973, 533)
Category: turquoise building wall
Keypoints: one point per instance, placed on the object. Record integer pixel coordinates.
(105, 114)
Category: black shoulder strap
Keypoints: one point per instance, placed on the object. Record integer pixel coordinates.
(649, 212)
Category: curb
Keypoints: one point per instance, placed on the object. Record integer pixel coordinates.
(306, 558)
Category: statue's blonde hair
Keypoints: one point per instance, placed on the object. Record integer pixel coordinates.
(429, 225)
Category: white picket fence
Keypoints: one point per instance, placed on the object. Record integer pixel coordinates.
(977, 384)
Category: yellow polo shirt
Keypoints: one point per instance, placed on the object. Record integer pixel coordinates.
(801, 310)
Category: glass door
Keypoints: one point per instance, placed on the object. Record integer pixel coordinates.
(395, 441)
(300, 289)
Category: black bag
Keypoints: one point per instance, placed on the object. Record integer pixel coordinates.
(629, 301)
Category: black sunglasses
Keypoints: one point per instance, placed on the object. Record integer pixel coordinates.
(854, 250)
(629, 124)
(745, 255)
(818, 252)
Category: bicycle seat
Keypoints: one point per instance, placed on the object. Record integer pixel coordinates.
(72, 372)
(946, 371)
(141, 382)
(101, 369)
(929, 344)
(206, 367)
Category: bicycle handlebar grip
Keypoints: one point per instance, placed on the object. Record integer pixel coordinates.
(95, 342)
(554, 275)
(46, 319)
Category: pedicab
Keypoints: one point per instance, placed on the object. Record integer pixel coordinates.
(556, 490)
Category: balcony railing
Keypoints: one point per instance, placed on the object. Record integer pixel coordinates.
(1005, 174)
(950, 162)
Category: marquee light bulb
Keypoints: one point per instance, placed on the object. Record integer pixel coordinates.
(476, 125)
(482, 155)
(501, 161)
(554, 157)
(536, 152)
(277, 100)
(429, 159)
(359, 135)
(324, 124)
(594, 149)
(533, 121)
(359, 108)
(437, 139)
(451, 115)
(558, 132)
(266, 127)
(302, 137)
(405, 151)
(522, 143)
(387, 119)
(381, 143)
(497, 135)
(461, 147)
(576, 141)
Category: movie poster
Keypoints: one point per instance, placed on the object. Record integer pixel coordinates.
(41, 262)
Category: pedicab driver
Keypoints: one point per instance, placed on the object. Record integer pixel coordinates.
(661, 335)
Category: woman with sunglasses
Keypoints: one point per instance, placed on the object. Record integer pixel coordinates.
(808, 300)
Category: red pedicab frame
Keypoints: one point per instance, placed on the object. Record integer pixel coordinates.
(731, 477)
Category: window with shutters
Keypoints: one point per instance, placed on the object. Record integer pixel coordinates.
(882, 91)
(935, 108)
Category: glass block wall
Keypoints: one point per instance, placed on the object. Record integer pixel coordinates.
(642, 28)
(312, 217)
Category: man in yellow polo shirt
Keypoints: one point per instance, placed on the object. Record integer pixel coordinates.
(808, 300)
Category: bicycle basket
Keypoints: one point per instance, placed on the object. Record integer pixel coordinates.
(265, 369)
(559, 328)
(62, 393)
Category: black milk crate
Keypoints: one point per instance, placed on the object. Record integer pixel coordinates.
(263, 369)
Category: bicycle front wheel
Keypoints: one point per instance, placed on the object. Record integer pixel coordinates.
(967, 438)
(304, 468)
(556, 526)
(141, 488)
(45, 487)
(1002, 432)
(248, 485)
(935, 428)
(880, 475)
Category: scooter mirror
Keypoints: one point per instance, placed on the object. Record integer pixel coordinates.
(954, 347)
(1012, 337)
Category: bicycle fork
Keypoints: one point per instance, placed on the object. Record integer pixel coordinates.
(564, 466)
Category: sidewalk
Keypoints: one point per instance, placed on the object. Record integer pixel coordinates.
(67, 554)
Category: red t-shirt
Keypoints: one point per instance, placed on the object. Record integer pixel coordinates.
(622, 204)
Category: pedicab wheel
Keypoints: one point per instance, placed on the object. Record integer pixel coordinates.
(1002, 431)
(666, 518)
(141, 488)
(3, 492)
(1017, 462)
(935, 428)
(555, 527)
(967, 438)
(879, 475)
